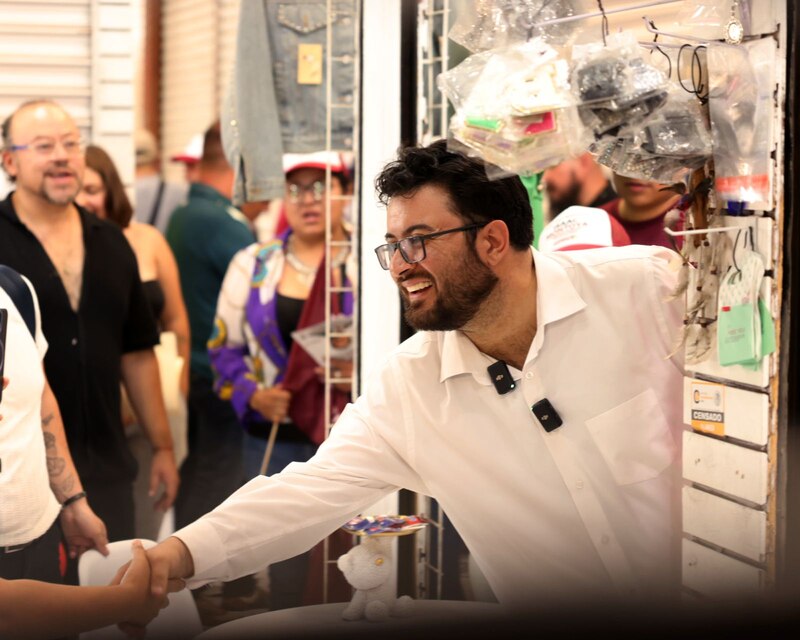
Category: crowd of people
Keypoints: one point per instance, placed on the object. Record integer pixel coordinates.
(151, 359)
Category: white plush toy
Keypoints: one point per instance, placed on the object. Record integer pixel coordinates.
(368, 569)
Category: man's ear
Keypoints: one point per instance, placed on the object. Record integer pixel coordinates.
(9, 164)
(493, 242)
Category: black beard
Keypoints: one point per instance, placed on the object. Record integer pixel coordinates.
(458, 303)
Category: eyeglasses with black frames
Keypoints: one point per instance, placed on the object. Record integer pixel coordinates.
(412, 248)
(316, 189)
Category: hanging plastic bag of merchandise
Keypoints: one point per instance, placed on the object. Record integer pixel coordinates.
(741, 84)
(667, 146)
(513, 108)
(745, 334)
(481, 25)
(712, 19)
(613, 85)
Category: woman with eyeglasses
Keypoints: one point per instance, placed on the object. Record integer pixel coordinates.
(270, 290)
(103, 194)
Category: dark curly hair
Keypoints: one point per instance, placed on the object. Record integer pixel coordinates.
(474, 197)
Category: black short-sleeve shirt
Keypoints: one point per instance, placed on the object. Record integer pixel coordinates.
(83, 360)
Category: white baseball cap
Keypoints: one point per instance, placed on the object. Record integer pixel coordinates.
(583, 228)
(192, 152)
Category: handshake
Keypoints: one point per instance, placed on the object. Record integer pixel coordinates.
(133, 598)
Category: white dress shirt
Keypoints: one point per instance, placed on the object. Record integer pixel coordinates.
(591, 508)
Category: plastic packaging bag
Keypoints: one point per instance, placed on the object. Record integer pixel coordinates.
(491, 24)
(665, 147)
(741, 84)
(613, 85)
(513, 107)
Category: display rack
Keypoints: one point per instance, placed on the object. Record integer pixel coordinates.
(332, 246)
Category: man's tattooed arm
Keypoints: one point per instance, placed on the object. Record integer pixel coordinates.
(63, 478)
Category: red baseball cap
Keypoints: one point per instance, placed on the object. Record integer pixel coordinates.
(192, 152)
(583, 228)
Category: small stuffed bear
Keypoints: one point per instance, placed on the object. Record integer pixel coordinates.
(368, 569)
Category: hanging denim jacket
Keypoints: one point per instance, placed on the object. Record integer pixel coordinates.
(268, 111)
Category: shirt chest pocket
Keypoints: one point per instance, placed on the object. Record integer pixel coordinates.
(634, 438)
(304, 18)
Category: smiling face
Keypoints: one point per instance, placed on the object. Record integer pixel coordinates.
(92, 195)
(304, 213)
(444, 291)
(55, 175)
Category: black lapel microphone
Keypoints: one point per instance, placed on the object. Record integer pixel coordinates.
(543, 410)
(501, 377)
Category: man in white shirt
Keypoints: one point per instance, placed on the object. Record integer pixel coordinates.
(558, 466)
(41, 496)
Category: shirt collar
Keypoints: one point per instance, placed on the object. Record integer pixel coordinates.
(556, 298)
(7, 209)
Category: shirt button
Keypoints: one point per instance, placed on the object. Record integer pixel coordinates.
(74, 341)
(579, 484)
(529, 375)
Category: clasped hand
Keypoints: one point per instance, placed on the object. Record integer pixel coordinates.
(145, 603)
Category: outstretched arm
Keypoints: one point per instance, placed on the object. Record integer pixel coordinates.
(34, 609)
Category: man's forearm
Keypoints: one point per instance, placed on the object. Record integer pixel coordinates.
(141, 378)
(64, 480)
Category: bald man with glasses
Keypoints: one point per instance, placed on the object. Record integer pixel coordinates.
(95, 317)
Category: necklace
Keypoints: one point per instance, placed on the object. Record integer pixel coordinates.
(304, 272)
(307, 273)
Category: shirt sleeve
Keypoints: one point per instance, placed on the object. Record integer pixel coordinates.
(277, 517)
(227, 349)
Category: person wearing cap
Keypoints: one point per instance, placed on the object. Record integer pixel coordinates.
(583, 228)
(270, 290)
(204, 234)
(156, 198)
(190, 158)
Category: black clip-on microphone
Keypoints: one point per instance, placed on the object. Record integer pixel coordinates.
(503, 383)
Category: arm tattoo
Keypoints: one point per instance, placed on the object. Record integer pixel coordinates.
(46, 420)
(49, 441)
(55, 466)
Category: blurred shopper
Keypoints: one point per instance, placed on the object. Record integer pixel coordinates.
(270, 290)
(583, 228)
(641, 208)
(577, 181)
(104, 195)
(204, 235)
(156, 198)
(94, 312)
(190, 158)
